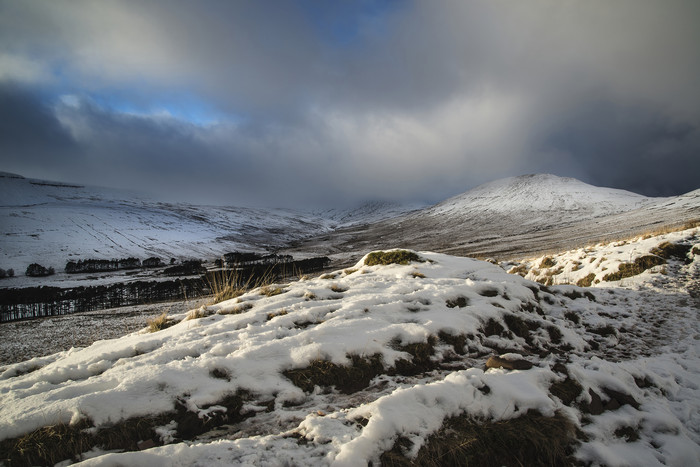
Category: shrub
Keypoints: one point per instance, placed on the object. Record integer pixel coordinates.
(547, 262)
(392, 257)
(604, 331)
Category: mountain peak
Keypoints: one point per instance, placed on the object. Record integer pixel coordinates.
(542, 193)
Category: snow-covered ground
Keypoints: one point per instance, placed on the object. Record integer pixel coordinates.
(594, 264)
(418, 336)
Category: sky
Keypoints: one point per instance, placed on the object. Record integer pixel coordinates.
(326, 103)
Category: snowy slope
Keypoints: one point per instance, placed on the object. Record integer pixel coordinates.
(50, 223)
(424, 330)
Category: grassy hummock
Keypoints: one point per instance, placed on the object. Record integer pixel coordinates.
(392, 257)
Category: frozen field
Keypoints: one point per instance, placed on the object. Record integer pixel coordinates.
(22, 340)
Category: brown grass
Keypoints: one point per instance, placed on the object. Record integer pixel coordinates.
(586, 281)
(531, 439)
(346, 379)
(637, 267)
(271, 291)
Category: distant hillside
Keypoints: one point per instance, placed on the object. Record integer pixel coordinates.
(52, 222)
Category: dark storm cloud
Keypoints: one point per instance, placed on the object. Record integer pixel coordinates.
(334, 101)
(633, 148)
(30, 134)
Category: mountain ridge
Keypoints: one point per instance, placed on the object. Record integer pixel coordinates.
(53, 222)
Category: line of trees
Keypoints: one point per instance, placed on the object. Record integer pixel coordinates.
(101, 265)
(237, 259)
(36, 302)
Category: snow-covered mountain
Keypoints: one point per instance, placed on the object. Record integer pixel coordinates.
(517, 216)
(555, 197)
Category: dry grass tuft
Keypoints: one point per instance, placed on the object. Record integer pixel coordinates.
(225, 285)
(271, 291)
(520, 270)
(197, 314)
(47, 446)
(55, 443)
(586, 281)
(160, 323)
